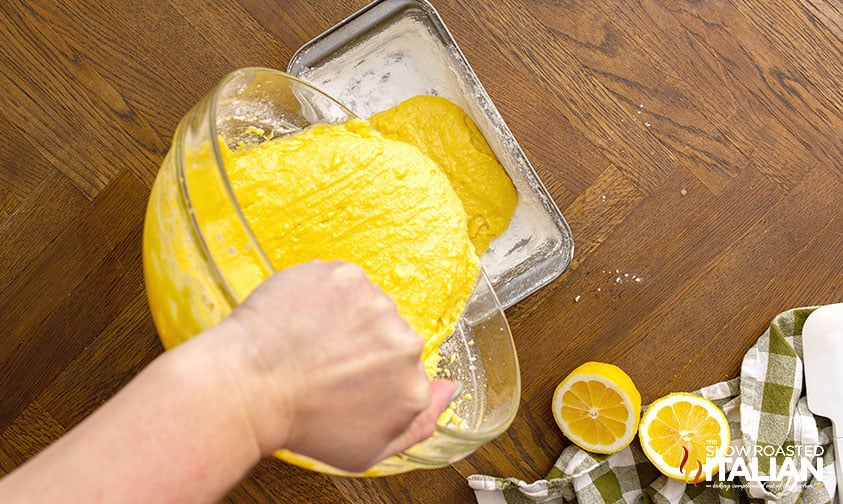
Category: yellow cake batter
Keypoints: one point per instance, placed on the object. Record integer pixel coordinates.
(445, 133)
(345, 192)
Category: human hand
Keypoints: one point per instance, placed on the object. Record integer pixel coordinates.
(332, 371)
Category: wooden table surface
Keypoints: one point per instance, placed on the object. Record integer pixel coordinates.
(693, 146)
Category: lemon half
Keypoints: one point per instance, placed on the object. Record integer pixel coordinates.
(597, 407)
(685, 436)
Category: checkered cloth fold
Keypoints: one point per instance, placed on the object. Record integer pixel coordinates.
(769, 418)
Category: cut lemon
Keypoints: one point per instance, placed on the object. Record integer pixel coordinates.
(597, 407)
(685, 436)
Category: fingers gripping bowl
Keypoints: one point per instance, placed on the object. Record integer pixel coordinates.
(201, 259)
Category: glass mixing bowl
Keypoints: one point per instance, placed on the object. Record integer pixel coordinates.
(195, 276)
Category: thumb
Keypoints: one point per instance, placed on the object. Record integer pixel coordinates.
(442, 392)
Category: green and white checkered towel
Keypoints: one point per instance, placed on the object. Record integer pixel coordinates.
(770, 423)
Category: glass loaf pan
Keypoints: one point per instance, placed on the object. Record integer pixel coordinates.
(392, 50)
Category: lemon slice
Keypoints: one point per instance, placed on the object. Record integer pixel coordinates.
(685, 436)
(597, 407)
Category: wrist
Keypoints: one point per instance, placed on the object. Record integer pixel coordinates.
(250, 383)
(208, 367)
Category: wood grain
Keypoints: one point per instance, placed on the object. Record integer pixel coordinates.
(694, 148)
